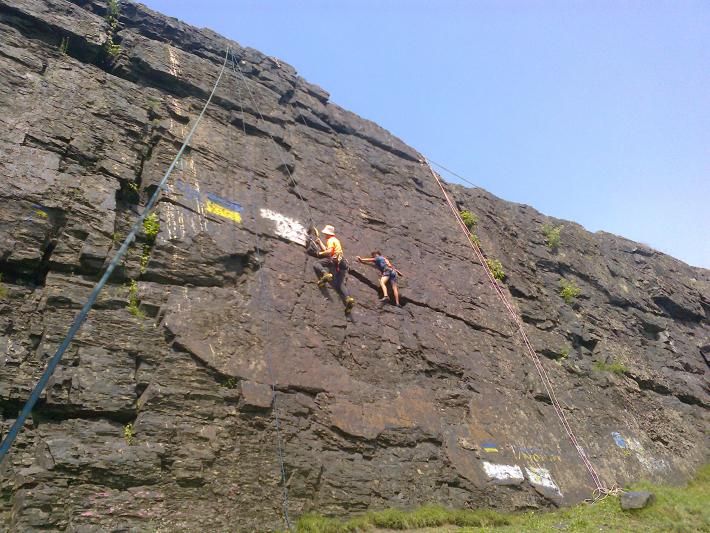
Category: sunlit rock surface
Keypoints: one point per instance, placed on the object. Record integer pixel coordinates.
(161, 420)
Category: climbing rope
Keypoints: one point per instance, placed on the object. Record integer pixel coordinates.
(79, 320)
(600, 489)
(459, 176)
(337, 189)
(263, 297)
(245, 81)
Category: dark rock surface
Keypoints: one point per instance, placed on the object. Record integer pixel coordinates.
(161, 420)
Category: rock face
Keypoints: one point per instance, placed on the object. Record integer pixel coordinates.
(160, 417)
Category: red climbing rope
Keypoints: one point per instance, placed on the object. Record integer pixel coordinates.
(600, 488)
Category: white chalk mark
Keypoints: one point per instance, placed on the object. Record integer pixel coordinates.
(286, 227)
(503, 472)
(542, 478)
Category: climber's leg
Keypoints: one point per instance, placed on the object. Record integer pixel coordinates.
(323, 271)
(395, 291)
(383, 285)
(340, 283)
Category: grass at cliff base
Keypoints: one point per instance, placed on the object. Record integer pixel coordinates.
(676, 509)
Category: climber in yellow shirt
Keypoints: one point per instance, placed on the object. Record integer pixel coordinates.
(334, 267)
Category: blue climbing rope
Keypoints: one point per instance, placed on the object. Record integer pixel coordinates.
(81, 317)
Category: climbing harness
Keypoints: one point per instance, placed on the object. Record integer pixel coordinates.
(81, 317)
(600, 489)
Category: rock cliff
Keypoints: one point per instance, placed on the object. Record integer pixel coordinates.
(160, 418)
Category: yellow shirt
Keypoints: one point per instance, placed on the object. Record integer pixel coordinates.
(334, 248)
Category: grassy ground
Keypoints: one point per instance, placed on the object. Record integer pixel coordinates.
(676, 509)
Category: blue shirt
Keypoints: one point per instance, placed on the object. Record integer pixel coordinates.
(381, 263)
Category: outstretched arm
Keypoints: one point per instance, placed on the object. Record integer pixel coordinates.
(365, 259)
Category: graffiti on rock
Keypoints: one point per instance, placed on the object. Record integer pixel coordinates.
(541, 477)
(224, 208)
(534, 454)
(286, 227)
(209, 202)
(531, 454)
(633, 447)
(507, 474)
(37, 211)
(490, 447)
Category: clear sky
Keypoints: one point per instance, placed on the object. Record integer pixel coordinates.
(592, 111)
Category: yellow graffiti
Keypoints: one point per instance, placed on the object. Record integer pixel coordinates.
(217, 209)
(534, 455)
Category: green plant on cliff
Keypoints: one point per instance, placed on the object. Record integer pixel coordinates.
(64, 46)
(471, 222)
(128, 434)
(569, 291)
(145, 258)
(3, 289)
(114, 9)
(229, 383)
(154, 103)
(552, 233)
(112, 13)
(614, 367)
(469, 219)
(151, 227)
(496, 269)
(133, 300)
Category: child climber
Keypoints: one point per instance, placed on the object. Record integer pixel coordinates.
(334, 267)
(387, 273)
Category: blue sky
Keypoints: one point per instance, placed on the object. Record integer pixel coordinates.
(597, 112)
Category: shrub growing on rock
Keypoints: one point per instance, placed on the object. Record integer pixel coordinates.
(552, 233)
(128, 434)
(151, 226)
(496, 269)
(569, 291)
(469, 219)
(614, 367)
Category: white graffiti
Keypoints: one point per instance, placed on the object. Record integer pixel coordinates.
(286, 227)
(503, 472)
(542, 478)
(649, 463)
(634, 445)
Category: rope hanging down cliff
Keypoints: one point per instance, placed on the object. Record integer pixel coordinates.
(81, 317)
(600, 489)
(265, 309)
(245, 81)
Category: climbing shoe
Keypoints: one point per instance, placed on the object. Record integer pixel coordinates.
(325, 278)
(349, 303)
